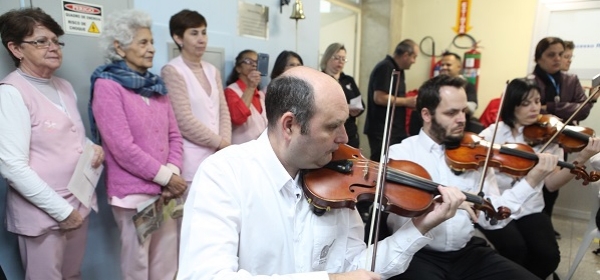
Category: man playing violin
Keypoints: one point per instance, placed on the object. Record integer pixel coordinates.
(454, 252)
(246, 216)
(528, 239)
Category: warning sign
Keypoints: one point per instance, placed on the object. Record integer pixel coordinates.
(82, 18)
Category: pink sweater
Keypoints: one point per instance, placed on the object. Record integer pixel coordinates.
(138, 138)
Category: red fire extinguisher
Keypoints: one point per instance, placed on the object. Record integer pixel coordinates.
(471, 65)
(435, 67)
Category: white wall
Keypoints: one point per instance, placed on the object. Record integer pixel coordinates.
(341, 31)
(221, 17)
(503, 27)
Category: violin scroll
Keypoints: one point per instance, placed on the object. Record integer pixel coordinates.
(580, 173)
(491, 214)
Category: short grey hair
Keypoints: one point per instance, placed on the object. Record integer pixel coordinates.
(406, 46)
(121, 27)
(329, 52)
(290, 94)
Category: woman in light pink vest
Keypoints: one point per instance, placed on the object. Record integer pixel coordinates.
(143, 147)
(41, 140)
(196, 93)
(245, 101)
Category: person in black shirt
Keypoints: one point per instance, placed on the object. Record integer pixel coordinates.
(379, 84)
(332, 64)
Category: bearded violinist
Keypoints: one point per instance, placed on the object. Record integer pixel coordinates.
(454, 252)
(246, 216)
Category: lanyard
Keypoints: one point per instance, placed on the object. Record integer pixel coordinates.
(556, 87)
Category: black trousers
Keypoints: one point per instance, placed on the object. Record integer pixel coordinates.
(550, 197)
(2, 276)
(549, 200)
(477, 260)
(528, 241)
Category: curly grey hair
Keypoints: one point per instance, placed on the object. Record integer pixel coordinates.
(121, 27)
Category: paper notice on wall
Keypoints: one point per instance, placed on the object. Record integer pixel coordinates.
(82, 18)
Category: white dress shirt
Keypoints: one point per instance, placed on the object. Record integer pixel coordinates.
(15, 135)
(454, 233)
(246, 217)
(535, 204)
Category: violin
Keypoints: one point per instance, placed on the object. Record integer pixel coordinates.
(514, 159)
(408, 192)
(571, 138)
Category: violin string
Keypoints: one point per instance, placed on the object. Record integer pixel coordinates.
(414, 180)
(400, 174)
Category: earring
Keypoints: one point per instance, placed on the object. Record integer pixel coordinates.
(181, 45)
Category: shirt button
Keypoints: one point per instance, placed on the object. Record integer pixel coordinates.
(80, 150)
(408, 240)
(73, 129)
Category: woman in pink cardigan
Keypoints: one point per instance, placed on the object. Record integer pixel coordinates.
(142, 141)
(196, 92)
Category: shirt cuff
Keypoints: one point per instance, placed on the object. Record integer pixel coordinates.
(163, 176)
(410, 239)
(174, 169)
(523, 190)
(64, 213)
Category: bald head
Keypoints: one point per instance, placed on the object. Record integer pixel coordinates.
(299, 90)
(323, 84)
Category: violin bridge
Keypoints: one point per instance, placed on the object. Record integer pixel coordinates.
(366, 172)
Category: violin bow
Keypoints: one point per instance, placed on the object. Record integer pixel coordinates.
(489, 151)
(558, 131)
(383, 159)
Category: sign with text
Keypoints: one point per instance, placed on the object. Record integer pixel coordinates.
(253, 20)
(462, 17)
(578, 26)
(82, 18)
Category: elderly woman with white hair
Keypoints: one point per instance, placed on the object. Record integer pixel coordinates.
(138, 130)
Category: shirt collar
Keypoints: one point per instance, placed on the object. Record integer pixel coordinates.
(277, 172)
(390, 58)
(429, 144)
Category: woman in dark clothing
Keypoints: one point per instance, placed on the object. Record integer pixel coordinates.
(332, 63)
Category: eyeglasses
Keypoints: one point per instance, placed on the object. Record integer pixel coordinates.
(340, 58)
(45, 43)
(249, 62)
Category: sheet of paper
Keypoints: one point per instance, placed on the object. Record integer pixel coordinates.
(153, 212)
(85, 178)
(356, 103)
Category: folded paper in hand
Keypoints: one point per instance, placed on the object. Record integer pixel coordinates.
(85, 178)
(356, 103)
(153, 212)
